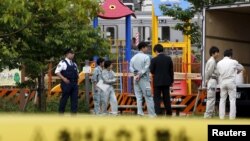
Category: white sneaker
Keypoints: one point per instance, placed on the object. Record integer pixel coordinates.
(152, 116)
(222, 118)
(140, 115)
(113, 113)
(207, 117)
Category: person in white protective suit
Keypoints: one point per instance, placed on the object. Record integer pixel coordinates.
(98, 95)
(109, 79)
(228, 69)
(211, 78)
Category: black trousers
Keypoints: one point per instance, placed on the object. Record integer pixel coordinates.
(69, 90)
(161, 93)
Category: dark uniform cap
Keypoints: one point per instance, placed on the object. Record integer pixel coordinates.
(68, 50)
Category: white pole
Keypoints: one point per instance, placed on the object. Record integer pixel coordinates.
(203, 46)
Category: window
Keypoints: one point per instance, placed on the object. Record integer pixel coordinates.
(144, 32)
(110, 32)
(165, 33)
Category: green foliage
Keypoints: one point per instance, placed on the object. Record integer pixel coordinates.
(53, 105)
(82, 107)
(33, 32)
(177, 13)
(185, 16)
(186, 26)
(8, 106)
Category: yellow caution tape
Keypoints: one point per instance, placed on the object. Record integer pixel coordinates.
(94, 128)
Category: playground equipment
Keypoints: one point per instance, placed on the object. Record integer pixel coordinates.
(123, 54)
(115, 9)
(57, 88)
(179, 97)
(185, 45)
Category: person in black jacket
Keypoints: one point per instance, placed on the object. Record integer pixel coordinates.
(161, 68)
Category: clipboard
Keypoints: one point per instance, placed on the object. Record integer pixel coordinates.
(102, 85)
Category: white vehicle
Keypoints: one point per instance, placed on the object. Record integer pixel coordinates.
(227, 27)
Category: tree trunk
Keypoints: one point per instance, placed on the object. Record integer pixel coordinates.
(41, 93)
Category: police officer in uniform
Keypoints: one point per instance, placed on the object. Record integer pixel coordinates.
(139, 65)
(68, 72)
